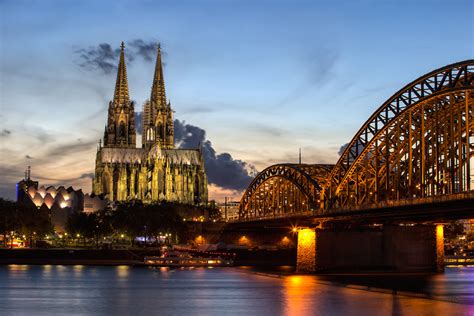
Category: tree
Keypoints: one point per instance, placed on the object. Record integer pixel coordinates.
(8, 218)
(33, 222)
(138, 219)
(87, 225)
(453, 229)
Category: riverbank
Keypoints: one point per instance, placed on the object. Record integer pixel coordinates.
(75, 256)
(135, 257)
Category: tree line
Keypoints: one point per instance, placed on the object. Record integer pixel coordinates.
(121, 220)
(17, 219)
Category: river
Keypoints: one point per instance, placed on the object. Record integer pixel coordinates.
(124, 290)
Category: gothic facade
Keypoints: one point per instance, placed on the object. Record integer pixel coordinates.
(157, 171)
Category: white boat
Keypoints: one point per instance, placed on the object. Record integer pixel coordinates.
(186, 260)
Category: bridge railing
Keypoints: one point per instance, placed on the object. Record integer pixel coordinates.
(406, 202)
(379, 205)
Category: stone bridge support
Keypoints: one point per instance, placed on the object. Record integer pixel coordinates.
(418, 248)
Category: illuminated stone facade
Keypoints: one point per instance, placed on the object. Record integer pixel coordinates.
(157, 171)
(306, 251)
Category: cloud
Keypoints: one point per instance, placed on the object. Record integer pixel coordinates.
(104, 58)
(146, 50)
(28, 157)
(341, 150)
(266, 129)
(319, 68)
(71, 148)
(221, 168)
(89, 175)
(5, 133)
(199, 109)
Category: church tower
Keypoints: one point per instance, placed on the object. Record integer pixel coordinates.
(120, 129)
(156, 172)
(158, 127)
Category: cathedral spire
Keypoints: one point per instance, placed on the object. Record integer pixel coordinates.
(158, 94)
(121, 86)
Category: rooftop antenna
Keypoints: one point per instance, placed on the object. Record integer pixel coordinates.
(300, 157)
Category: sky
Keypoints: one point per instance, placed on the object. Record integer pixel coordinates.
(252, 80)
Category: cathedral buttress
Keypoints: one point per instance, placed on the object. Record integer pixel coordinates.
(120, 129)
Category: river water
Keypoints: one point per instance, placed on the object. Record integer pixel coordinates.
(123, 290)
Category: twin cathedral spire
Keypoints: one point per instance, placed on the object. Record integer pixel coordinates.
(157, 115)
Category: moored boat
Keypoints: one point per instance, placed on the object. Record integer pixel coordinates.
(187, 261)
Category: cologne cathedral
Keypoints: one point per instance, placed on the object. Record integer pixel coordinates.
(158, 171)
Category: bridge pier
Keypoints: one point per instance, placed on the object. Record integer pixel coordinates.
(417, 248)
(306, 252)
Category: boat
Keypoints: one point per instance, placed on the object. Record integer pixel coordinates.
(186, 260)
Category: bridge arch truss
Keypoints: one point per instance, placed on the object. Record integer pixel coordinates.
(418, 144)
(284, 189)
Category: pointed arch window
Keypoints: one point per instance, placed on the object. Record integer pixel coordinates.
(160, 131)
(122, 130)
(150, 134)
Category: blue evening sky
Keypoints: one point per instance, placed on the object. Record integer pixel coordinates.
(263, 78)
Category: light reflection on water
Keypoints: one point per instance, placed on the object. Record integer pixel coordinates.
(122, 272)
(46, 290)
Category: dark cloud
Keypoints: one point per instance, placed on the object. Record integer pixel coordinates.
(221, 168)
(5, 132)
(28, 157)
(146, 50)
(341, 150)
(139, 122)
(89, 175)
(104, 58)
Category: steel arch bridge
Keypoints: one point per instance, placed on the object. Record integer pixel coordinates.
(418, 144)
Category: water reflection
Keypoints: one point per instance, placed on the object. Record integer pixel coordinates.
(299, 295)
(18, 267)
(79, 290)
(122, 272)
(78, 270)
